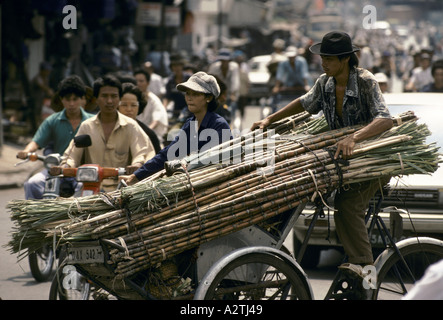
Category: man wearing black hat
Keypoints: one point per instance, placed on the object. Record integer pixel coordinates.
(348, 96)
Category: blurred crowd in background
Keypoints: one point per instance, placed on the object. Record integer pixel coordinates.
(406, 59)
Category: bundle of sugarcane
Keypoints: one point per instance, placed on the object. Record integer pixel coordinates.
(251, 199)
(165, 215)
(34, 217)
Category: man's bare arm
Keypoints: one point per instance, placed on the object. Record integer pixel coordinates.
(290, 109)
(30, 147)
(347, 145)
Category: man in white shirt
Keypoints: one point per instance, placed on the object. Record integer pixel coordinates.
(156, 84)
(422, 75)
(154, 114)
(365, 56)
(229, 72)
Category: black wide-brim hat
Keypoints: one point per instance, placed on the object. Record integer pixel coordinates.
(334, 43)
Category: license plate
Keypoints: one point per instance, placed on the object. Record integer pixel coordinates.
(85, 254)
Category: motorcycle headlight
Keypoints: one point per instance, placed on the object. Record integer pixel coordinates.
(87, 174)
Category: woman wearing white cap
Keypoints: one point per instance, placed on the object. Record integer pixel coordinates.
(201, 91)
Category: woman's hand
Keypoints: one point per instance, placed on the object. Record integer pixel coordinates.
(129, 179)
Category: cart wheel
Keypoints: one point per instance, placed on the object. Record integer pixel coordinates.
(68, 284)
(255, 273)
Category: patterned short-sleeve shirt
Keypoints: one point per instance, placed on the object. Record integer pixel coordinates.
(363, 100)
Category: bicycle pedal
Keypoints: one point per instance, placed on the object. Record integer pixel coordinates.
(343, 289)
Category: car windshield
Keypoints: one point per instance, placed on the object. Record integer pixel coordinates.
(430, 115)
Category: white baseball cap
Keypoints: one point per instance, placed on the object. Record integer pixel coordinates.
(201, 82)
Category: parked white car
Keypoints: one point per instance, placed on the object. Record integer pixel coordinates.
(420, 196)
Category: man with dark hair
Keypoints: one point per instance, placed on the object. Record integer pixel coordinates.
(347, 95)
(117, 140)
(57, 130)
(437, 74)
(153, 113)
(107, 81)
(421, 75)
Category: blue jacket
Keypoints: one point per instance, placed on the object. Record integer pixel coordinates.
(213, 130)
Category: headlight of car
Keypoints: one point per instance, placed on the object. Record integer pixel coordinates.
(87, 174)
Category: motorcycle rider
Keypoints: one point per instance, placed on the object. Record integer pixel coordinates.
(57, 131)
(117, 140)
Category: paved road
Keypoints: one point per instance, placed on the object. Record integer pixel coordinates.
(16, 281)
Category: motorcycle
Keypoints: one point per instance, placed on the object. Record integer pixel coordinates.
(91, 176)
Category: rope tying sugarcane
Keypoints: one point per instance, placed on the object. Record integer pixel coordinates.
(193, 197)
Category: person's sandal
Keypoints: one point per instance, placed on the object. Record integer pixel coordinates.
(364, 290)
(353, 270)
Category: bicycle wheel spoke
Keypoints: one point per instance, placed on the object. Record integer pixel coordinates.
(404, 267)
(400, 292)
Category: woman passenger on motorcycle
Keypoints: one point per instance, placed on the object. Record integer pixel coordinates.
(201, 91)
